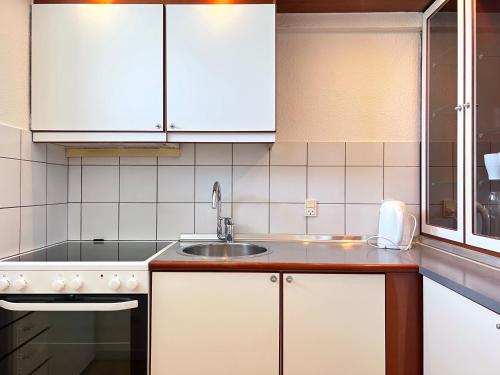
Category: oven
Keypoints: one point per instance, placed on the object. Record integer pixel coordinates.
(70, 334)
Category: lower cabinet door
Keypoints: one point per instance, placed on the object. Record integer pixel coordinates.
(460, 336)
(215, 323)
(333, 324)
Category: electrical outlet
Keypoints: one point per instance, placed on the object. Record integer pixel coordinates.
(311, 208)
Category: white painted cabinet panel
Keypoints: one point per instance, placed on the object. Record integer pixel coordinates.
(214, 324)
(220, 67)
(333, 324)
(97, 68)
(460, 336)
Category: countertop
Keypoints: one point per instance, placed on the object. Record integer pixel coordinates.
(458, 270)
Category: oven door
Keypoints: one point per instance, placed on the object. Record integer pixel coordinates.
(73, 334)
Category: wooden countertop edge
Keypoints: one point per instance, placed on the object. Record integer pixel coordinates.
(167, 265)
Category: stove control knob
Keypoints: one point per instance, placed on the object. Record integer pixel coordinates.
(19, 283)
(132, 283)
(57, 285)
(4, 283)
(114, 283)
(76, 283)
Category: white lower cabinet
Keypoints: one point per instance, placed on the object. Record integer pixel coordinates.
(460, 336)
(333, 324)
(215, 323)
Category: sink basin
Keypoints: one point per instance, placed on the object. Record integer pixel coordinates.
(224, 250)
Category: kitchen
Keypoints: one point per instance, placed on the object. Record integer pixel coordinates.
(249, 187)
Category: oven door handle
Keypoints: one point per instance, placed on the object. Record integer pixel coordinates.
(78, 306)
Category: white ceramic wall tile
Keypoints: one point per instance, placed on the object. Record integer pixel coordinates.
(100, 220)
(10, 142)
(175, 219)
(100, 161)
(206, 176)
(288, 184)
(251, 217)
(364, 184)
(57, 223)
(10, 172)
(33, 183)
(176, 183)
(186, 156)
(57, 183)
(362, 219)
(100, 184)
(402, 154)
(33, 227)
(74, 183)
(330, 220)
(32, 151)
(137, 221)
(138, 184)
(326, 184)
(287, 218)
(402, 183)
(326, 154)
(74, 161)
(364, 154)
(250, 184)
(214, 154)
(9, 235)
(250, 154)
(56, 154)
(74, 221)
(289, 153)
(138, 160)
(205, 217)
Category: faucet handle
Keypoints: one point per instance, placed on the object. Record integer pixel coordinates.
(229, 229)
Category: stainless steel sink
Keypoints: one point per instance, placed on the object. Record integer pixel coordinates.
(224, 250)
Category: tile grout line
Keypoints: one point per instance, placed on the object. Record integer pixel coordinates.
(20, 188)
(156, 203)
(307, 184)
(345, 188)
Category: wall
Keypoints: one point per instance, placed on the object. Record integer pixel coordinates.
(14, 62)
(263, 190)
(33, 193)
(348, 77)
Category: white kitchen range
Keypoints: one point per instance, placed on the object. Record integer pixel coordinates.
(249, 187)
(76, 307)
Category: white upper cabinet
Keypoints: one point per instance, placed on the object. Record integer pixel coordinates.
(97, 68)
(220, 68)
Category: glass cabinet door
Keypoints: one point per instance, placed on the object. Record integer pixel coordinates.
(483, 123)
(442, 115)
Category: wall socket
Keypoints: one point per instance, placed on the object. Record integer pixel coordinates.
(311, 208)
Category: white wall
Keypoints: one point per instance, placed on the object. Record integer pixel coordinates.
(348, 77)
(14, 62)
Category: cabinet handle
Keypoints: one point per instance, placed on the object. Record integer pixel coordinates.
(289, 279)
(274, 278)
(498, 326)
(158, 126)
(458, 108)
(467, 105)
(172, 126)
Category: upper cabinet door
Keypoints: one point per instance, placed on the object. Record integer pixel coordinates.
(97, 68)
(482, 110)
(220, 67)
(443, 120)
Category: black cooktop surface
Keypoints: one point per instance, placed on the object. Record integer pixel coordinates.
(93, 251)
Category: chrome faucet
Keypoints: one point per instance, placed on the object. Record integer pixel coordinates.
(225, 225)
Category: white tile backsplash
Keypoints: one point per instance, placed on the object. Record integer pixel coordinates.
(250, 184)
(137, 221)
(364, 184)
(138, 183)
(288, 184)
(9, 183)
(263, 190)
(364, 154)
(33, 227)
(170, 188)
(100, 220)
(100, 183)
(26, 221)
(326, 184)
